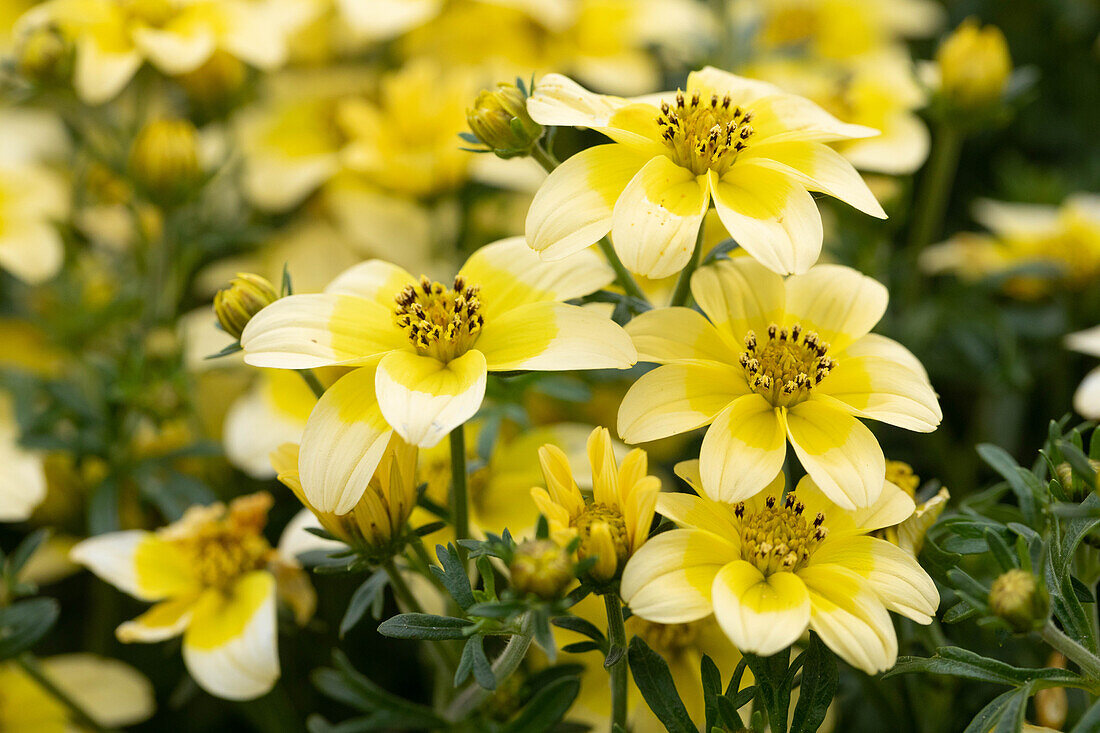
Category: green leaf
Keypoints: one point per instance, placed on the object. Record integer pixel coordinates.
(424, 626)
(1090, 721)
(345, 684)
(1004, 715)
(999, 549)
(960, 612)
(773, 685)
(548, 706)
(957, 662)
(712, 689)
(22, 553)
(366, 595)
(474, 659)
(819, 682)
(24, 623)
(1028, 488)
(652, 676)
(453, 575)
(580, 626)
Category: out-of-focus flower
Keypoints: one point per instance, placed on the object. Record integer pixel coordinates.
(114, 37)
(112, 693)
(876, 90)
(836, 29)
(1049, 245)
(208, 575)
(973, 65)
(1086, 400)
(499, 119)
(44, 56)
(774, 565)
(681, 645)
(272, 412)
(542, 568)
(424, 349)
(247, 295)
(22, 474)
(752, 149)
(616, 522)
(164, 160)
(778, 359)
(216, 83)
(909, 535)
(376, 525)
(1020, 599)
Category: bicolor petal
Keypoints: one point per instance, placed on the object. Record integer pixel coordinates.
(670, 578)
(665, 335)
(425, 399)
(743, 449)
(676, 398)
(838, 303)
(137, 562)
(739, 296)
(762, 615)
(851, 621)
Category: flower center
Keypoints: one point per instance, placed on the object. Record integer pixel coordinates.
(704, 135)
(220, 553)
(441, 322)
(602, 514)
(787, 366)
(668, 640)
(778, 538)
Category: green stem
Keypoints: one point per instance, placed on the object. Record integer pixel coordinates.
(460, 510)
(445, 655)
(30, 665)
(622, 275)
(507, 663)
(683, 284)
(1082, 657)
(935, 188)
(616, 634)
(313, 382)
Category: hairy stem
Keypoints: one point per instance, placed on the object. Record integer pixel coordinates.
(460, 510)
(616, 634)
(1082, 657)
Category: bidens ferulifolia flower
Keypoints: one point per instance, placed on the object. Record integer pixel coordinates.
(616, 522)
(753, 150)
(770, 567)
(774, 360)
(425, 349)
(208, 574)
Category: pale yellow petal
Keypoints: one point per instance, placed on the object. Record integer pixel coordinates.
(743, 450)
(374, 280)
(890, 508)
(688, 510)
(163, 621)
(838, 451)
(738, 296)
(605, 474)
(425, 399)
(138, 563)
(850, 619)
(664, 335)
(670, 578)
(838, 303)
(100, 74)
(760, 615)
(177, 48)
(676, 398)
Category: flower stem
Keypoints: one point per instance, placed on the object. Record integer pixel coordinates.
(1082, 657)
(313, 382)
(683, 284)
(616, 634)
(935, 187)
(507, 663)
(460, 511)
(30, 666)
(622, 275)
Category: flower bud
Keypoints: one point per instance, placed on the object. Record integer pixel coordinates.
(164, 160)
(974, 65)
(44, 55)
(901, 474)
(499, 119)
(246, 296)
(215, 84)
(541, 568)
(1020, 599)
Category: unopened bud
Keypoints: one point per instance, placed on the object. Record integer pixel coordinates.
(44, 55)
(1020, 599)
(901, 474)
(246, 296)
(499, 119)
(974, 64)
(541, 568)
(215, 84)
(164, 160)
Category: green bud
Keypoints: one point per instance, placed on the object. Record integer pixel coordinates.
(164, 160)
(541, 568)
(1020, 599)
(246, 296)
(499, 119)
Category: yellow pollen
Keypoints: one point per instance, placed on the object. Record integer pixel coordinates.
(220, 553)
(704, 134)
(596, 514)
(787, 366)
(441, 322)
(778, 538)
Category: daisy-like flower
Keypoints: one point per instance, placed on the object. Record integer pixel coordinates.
(770, 567)
(113, 38)
(1086, 400)
(209, 575)
(909, 535)
(774, 360)
(753, 150)
(424, 350)
(616, 522)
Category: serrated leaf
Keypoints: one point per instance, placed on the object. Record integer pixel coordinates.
(424, 626)
(580, 647)
(958, 662)
(711, 680)
(345, 684)
(473, 659)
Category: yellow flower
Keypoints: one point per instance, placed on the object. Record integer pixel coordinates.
(22, 471)
(909, 534)
(616, 522)
(974, 64)
(32, 198)
(113, 694)
(770, 567)
(114, 37)
(424, 350)
(681, 645)
(376, 524)
(208, 575)
(1086, 400)
(1066, 239)
(753, 150)
(777, 360)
